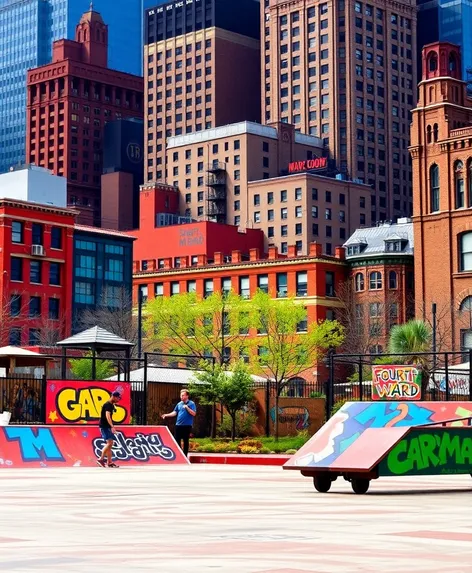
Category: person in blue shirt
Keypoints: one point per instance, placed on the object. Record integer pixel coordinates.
(185, 411)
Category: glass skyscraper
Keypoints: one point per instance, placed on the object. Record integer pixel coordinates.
(455, 25)
(27, 30)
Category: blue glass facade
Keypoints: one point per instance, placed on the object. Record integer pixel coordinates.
(103, 267)
(455, 25)
(27, 30)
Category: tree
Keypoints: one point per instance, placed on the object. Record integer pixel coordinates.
(82, 368)
(287, 345)
(413, 338)
(233, 389)
(115, 314)
(186, 324)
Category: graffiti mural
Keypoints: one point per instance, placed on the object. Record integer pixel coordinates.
(62, 446)
(354, 418)
(79, 402)
(297, 416)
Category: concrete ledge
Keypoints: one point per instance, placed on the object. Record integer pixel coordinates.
(239, 459)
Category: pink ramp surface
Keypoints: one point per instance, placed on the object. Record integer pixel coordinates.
(62, 446)
(369, 449)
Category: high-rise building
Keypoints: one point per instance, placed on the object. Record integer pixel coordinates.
(201, 70)
(27, 31)
(69, 102)
(345, 71)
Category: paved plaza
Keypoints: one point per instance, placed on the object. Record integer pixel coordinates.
(230, 519)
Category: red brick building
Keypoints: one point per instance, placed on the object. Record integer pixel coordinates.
(441, 140)
(36, 258)
(164, 236)
(68, 103)
(380, 290)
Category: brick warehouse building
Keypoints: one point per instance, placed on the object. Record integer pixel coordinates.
(380, 290)
(36, 258)
(266, 177)
(313, 279)
(345, 71)
(201, 70)
(441, 149)
(68, 103)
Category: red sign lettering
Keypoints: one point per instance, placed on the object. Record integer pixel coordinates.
(308, 165)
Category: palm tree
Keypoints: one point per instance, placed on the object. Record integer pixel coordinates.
(410, 338)
(413, 338)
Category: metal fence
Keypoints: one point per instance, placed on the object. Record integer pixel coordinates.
(446, 376)
(24, 397)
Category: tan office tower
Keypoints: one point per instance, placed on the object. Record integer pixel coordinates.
(345, 71)
(201, 70)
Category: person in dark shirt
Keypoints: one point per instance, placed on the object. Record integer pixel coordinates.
(185, 411)
(107, 429)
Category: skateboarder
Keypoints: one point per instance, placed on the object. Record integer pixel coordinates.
(107, 429)
(185, 411)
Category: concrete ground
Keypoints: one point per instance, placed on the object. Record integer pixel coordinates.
(229, 519)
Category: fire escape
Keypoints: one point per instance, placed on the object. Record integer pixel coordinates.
(216, 183)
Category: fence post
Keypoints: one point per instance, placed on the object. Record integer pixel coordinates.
(145, 392)
(446, 372)
(44, 384)
(470, 373)
(267, 400)
(330, 392)
(361, 381)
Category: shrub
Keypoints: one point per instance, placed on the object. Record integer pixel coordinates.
(291, 452)
(337, 406)
(317, 395)
(249, 444)
(248, 450)
(244, 424)
(265, 451)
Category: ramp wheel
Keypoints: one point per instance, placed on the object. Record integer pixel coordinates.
(322, 483)
(360, 485)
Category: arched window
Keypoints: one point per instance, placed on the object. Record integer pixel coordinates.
(469, 182)
(431, 94)
(433, 62)
(452, 62)
(359, 280)
(375, 280)
(429, 135)
(392, 279)
(466, 304)
(434, 187)
(465, 242)
(459, 184)
(435, 132)
(295, 389)
(85, 35)
(98, 35)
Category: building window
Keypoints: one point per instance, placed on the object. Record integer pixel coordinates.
(207, 287)
(244, 287)
(17, 232)
(35, 272)
(15, 305)
(302, 283)
(392, 280)
(329, 282)
(226, 286)
(281, 285)
(34, 307)
(16, 269)
(37, 230)
(159, 289)
(263, 283)
(14, 338)
(54, 274)
(114, 270)
(174, 288)
(34, 337)
(359, 282)
(56, 238)
(466, 252)
(375, 280)
(85, 293)
(53, 309)
(459, 184)
(85, 266)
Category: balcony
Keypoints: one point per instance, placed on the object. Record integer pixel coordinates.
(216, 167)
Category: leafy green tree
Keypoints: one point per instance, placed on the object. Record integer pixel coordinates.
(82, 368)
(232, 389)
(215, 326)
(287, 344)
